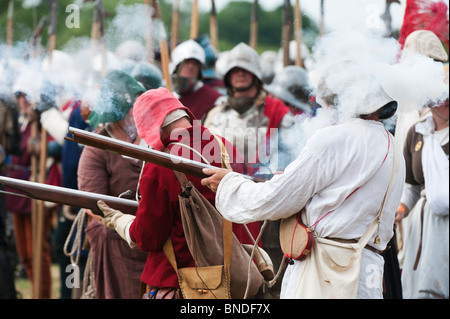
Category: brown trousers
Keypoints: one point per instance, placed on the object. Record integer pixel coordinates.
(24, 248)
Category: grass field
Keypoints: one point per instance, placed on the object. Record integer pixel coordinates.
(23, 285)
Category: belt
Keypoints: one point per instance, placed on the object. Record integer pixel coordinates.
(354, 241)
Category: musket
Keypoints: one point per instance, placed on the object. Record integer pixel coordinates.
(254, 26)
(286, 32)
(67, 196)
(177, 163)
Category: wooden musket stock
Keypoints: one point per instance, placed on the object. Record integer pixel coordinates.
(173, 162)
(68, 196)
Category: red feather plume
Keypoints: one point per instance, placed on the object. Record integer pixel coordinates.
(426, 15)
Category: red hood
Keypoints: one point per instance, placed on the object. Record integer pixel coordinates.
(149, 112)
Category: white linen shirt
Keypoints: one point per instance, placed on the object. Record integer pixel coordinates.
(335, 162)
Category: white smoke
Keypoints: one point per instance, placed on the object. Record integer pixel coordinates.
(28, 4)
(77, 67)
(412, 82)
(129, 23)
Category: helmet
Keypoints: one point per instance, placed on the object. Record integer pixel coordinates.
(291, 85)
(210, 57)
(117, 95)
(267, 60)
(210, 51)
(189, 49)
(426, 43)
(221, 63)
(244, 57)
(304, 52)
(148, 75)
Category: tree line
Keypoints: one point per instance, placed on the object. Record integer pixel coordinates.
(233, 22)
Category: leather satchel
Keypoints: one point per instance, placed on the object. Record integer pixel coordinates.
(221, 262)
(210, 282)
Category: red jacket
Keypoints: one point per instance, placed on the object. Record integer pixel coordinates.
(159, 217)
(201, 101)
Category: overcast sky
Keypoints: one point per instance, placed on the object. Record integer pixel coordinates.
(339, 14)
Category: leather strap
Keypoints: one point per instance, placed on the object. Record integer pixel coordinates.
(375, 224)
(182, 179)
(224, 154)
(354, 241)
(227, 244)
(170, 253)
(419, 249)
(227, 225)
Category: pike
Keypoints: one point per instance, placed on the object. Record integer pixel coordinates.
(175, 22)
(387, 18)
(10, 28)
(298, 33)
(194, 20)
(148, 33)
(67, 196)
(254, 26)
(213, 29)
(177, 163)
(98, 33)
(286, 32)
(163, 46)
(52, 28)
(34, 39)
(322, 18)
(38, 218)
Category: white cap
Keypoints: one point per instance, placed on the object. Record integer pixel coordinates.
(426, 43)
(174, 116)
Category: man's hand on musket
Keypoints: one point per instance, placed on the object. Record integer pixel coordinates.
(110, 216)
(216, 177)
(116, 220)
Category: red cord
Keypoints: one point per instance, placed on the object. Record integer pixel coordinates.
(292, 240)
